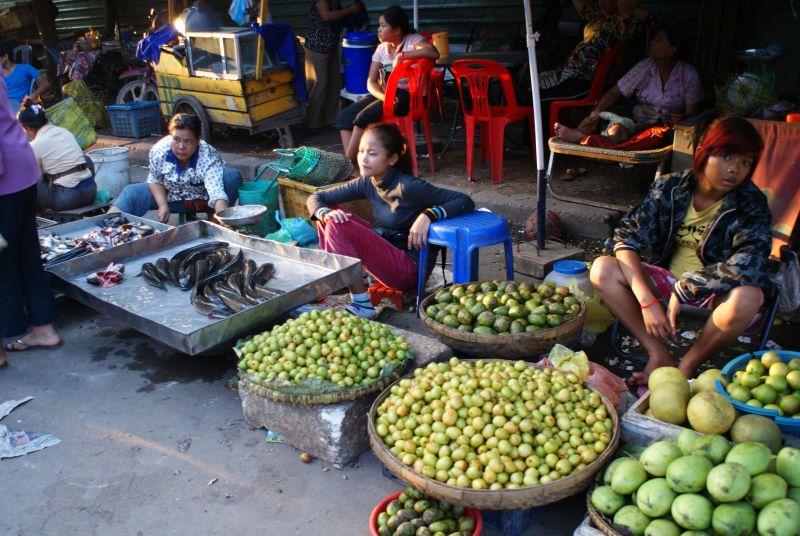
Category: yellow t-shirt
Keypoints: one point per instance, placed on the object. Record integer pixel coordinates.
(684, 256)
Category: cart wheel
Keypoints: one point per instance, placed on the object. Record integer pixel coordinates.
(186, 104)
(137, 91)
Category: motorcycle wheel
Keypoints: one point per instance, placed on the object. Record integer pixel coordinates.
(137, 91)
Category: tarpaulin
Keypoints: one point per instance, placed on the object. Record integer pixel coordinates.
(280, 39)
(149, 48)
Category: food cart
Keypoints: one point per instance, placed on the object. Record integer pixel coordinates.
(228, 78)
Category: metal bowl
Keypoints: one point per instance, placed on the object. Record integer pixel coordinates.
(241, 215)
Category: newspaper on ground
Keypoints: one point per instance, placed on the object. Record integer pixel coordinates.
(15, 443)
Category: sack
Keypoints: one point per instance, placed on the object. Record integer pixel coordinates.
(238, 12)
(90, 103)
(299, 228)
(67, 114)
(788, 283)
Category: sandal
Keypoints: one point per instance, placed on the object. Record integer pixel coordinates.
(25, 346)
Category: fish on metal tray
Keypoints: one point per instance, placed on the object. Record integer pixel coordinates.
(234, 264)
(162, 269)
(150, 276)
(230, 298)
(206, 246)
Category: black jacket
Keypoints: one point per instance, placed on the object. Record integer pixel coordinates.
(734, 248)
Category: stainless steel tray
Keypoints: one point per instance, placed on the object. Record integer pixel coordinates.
(79, 228)
(41, 223)
(168, 316)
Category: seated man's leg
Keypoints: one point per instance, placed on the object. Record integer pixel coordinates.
(231, 181)
(730, 318)
(134, 199)
(610, 282)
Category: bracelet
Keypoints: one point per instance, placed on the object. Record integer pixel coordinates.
(650, 304)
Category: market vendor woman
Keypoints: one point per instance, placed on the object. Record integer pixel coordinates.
(186, 175)
(403, 207)
(706, 234)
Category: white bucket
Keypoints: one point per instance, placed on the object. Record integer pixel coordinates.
(112, 169)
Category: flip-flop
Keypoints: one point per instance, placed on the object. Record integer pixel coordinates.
(10, 346)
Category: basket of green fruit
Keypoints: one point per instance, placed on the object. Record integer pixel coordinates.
(322, 357)
(729, 490)
(493, 434)
(408, 511)
(503, 318)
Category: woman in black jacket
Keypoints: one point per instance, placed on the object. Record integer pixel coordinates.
(706, 232)
(403, 207)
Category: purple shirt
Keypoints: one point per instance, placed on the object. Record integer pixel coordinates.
(18, 167)
(654, 100)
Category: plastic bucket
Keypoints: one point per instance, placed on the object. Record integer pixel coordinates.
(112, 169)
(357, 49)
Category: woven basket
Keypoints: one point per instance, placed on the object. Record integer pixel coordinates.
(311, 166)
(507, 499)
(90, 103)
(67, 114)
(510, 345)
(327, 398)
(600, 521)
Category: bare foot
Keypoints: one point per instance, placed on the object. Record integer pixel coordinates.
(656, 360)
(570, 135)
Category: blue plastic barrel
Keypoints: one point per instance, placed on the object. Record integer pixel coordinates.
(357, 49)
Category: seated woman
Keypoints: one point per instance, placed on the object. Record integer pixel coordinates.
(665, 88)
(403, 207)
(186, 175)
(67, 177)
(706, 233)
(399, 41)
(20, 78)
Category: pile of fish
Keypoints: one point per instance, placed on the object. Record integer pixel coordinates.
(112, 275)
(113, 231)
(222, 283)
(53, 246)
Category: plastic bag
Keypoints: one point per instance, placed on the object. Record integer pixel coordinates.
(598, 317)
(238, 12)
(564, 359)
(299, 228)
(788, 282)
(281, 235)
(596, 376)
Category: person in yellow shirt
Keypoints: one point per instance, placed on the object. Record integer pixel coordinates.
(707, 235)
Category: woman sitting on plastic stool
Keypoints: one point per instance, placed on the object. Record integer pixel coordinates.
(67, 175)
(403, 207)
(187, 175)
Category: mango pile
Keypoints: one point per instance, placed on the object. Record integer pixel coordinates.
(703, 484)
(413, 514)
(493, 424)
(500, 307)
(769, 383)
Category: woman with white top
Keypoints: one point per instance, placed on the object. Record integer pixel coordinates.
(399, 41)
(67, 176)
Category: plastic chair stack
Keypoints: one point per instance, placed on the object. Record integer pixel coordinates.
(491, 118)
(464, 236)
(417, 73)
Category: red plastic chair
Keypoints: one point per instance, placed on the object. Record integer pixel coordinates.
(610, 64)
(437, 80)
(417, 73)
(492, 119)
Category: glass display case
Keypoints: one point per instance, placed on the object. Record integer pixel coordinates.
(228, 54)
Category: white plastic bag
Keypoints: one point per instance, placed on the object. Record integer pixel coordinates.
(788, 282)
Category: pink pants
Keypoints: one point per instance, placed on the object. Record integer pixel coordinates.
(386, 263)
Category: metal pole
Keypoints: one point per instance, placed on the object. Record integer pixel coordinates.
(541, 195)
(262, 15)
(416, 15)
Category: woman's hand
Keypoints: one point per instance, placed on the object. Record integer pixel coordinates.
(656, 323)
(418, 234)
(673, 310)
(337, 216)
(163, 213)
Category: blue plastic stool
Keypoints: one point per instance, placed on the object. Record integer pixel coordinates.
(464, 235)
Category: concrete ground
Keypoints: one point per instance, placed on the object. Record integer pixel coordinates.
(154, 442)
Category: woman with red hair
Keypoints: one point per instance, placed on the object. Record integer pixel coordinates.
(705, 235)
